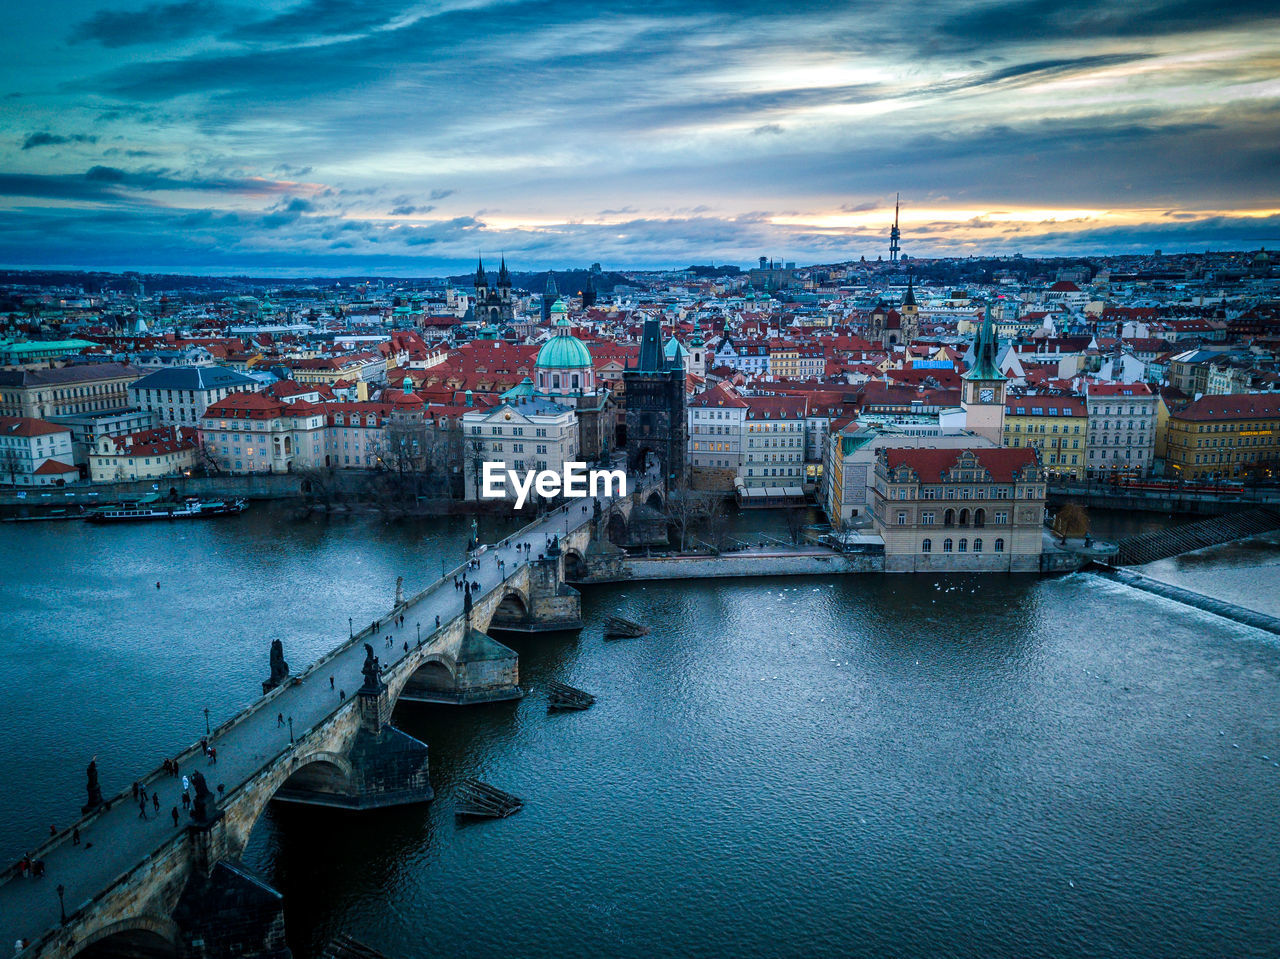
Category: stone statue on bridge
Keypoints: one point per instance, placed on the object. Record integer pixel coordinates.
(466, 604)
(203, 807)
(94, 790)
(279, 668)
(372, 670)
(399, 590)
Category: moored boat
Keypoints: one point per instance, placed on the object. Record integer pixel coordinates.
(190, 508)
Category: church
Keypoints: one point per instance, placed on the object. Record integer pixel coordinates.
(494, 305)
(896, 327)
(565, 373)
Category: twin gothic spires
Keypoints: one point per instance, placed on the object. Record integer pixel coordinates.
(482, 278)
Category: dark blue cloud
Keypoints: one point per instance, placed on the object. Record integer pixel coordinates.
(45, 139)
(155, 23)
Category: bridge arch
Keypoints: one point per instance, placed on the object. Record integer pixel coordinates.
(316, 772)
(575, 566)
(654, 500)
(617, 528)
(144, 937)
(435, 673)
(513, 609)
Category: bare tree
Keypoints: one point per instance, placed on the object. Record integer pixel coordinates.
(9, 464)
(1072, 520)
(795, 523)
(717, 522)
(475, 450)
(683, 509)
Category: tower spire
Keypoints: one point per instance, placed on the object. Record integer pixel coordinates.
(895, 233)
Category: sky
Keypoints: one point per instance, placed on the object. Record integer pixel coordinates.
(399, 137)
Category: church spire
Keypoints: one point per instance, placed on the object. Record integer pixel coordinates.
(504, 276)
(482, 280)
(984, 352)
(910, 298)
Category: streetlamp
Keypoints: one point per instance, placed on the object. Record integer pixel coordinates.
(62, 906)
(418, 627)
(290, 730)
(207, 730)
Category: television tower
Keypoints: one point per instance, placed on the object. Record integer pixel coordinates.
(895, 233)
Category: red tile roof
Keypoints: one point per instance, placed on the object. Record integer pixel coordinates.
(1004, 465)
(54, 468)
(1233, 406)
(27, 426)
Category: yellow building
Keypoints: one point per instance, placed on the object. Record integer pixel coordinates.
(1057, 426)
(797, 361)
(1230, 436)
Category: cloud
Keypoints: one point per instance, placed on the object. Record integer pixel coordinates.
(34, 140)
(774, 128)
(155, 23)
(1021, 20)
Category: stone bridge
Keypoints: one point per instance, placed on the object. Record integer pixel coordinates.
(151, 887)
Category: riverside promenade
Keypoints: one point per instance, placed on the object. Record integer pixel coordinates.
(92, 891)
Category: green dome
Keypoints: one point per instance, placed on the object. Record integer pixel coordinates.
(564, 351)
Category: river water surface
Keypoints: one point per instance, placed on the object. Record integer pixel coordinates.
(866, 766)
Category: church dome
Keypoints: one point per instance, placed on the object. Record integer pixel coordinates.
(564, 351)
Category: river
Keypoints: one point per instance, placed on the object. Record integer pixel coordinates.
(867, 766)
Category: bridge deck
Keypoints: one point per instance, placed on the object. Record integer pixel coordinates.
(117, 841)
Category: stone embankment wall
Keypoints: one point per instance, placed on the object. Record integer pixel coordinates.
(754, 564)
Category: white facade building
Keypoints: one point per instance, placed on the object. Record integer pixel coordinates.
(35, 453)
(180, 395)
(530, 433)
(1122, 428)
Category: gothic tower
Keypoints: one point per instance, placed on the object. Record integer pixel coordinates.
(910, 312)
(982, 389)
(656, 408)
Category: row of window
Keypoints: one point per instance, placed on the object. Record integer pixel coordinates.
(926, 546)
(952, 518)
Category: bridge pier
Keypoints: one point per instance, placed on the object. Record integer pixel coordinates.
(230, 912)
(552, 606)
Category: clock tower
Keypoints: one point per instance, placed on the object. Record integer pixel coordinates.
(982, 389)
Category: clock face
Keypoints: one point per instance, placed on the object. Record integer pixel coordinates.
(986, 396)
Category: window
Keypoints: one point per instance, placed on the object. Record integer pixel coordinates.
(999, 547)
(979, 518)
(926, 546)
(964, 546)
(926, 519)
(902, 517)
(977, 546)
(949, 518)
(946, 545)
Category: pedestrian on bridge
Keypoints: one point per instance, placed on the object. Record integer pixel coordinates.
(174, 813)
(155, 801)
(279, 720)
(75, 835)
(213, 755)
(142, 808)
(437, 620)
(186, 800)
